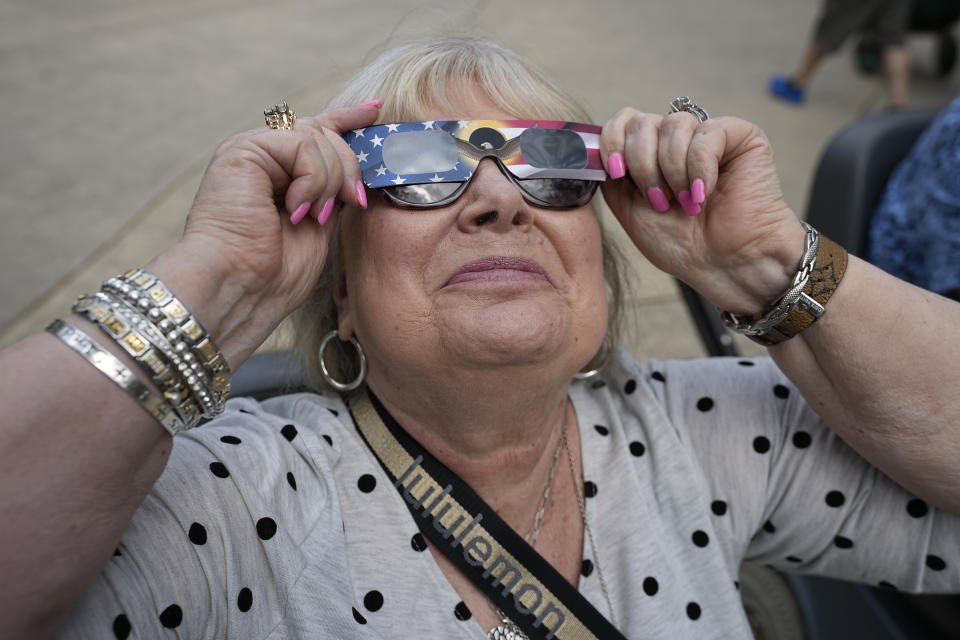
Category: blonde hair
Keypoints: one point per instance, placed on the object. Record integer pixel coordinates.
(412, 79)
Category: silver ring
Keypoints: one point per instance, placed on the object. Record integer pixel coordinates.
(684, 103)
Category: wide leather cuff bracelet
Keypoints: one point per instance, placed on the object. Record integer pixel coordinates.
(824, 263)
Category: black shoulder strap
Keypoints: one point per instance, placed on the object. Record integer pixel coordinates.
(457, 520)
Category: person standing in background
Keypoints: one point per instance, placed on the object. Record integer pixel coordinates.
(885, 19)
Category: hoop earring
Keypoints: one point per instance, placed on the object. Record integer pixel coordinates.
(342, 387)
(601, 356)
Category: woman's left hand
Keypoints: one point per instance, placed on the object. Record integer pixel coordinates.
(702, 201)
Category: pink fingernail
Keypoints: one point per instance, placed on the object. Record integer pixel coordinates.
(698, 191)
(325, 212)
(615, 166)
(361, 194)
(686, 201)
(300, 211)
(371, 103)
(658, 199)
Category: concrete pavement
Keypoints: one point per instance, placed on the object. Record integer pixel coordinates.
(111, 109)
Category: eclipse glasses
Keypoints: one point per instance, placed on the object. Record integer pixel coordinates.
(421, 165)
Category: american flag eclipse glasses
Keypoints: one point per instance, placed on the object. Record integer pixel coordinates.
(421, 165)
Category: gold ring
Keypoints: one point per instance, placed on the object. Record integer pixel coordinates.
(279, 116)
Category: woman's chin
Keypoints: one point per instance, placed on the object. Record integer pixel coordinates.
(514, 332)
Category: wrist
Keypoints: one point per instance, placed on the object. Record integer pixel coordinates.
(234, 313)
(821, 269)
(759, 278)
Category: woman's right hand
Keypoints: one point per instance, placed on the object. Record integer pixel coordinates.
(246, 260)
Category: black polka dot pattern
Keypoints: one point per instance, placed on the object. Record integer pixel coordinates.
(289, 432)
(217, 469)
(659, 377)
(333, 411)
(328, 439)
(843, 543)
(761, 444)
(589, 488)
(121, 627)
(936, 563)
(781, 391)
(835, 499)
(171, 617)
(418, 543)
(586, 568)
(230, 440)
(883, 584)
(116, 552)
(637, 449)
(794, 559)
(266, 528)
(244, 600)
(693, 611)
(802, 439)
(718, 507)
(373, 600)
(705, 404)
(291, 480)
(746, 363)
(197, 534)
(650, 586)
(366, 483)
(768, 527)
(462, 612)
(598, 384)
(700, 538)
(602, 430)
(359, 618)
(917, 508)
(630, 387)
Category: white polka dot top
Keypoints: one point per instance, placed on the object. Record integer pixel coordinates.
(275, 520)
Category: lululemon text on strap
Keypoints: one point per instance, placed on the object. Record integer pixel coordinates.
(457, 520)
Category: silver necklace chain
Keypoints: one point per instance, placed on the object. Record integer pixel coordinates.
(507, 629)
(586, 527)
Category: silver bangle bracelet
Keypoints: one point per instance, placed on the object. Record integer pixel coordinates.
(183, 387)
(760, 324)
(113, 368)
(150, 297)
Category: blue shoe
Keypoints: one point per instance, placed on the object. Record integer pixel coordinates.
(784, 89)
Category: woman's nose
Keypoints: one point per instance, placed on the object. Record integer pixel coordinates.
(493, 202)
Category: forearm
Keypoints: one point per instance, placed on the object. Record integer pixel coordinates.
(881, 368)
(77, 455)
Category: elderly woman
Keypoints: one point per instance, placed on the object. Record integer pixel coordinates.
(468, 483)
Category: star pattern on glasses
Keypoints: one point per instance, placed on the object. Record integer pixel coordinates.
(367, 145)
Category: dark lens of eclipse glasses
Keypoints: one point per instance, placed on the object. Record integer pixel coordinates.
(436, 151)
(550, 193)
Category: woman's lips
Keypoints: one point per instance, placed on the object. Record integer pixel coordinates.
(498, 269)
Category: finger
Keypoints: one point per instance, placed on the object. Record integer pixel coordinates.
(351, 189)
(308, 174)
(676, 133)
(320, 127)
(704, 156)
(612, 141)
(642, 141)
